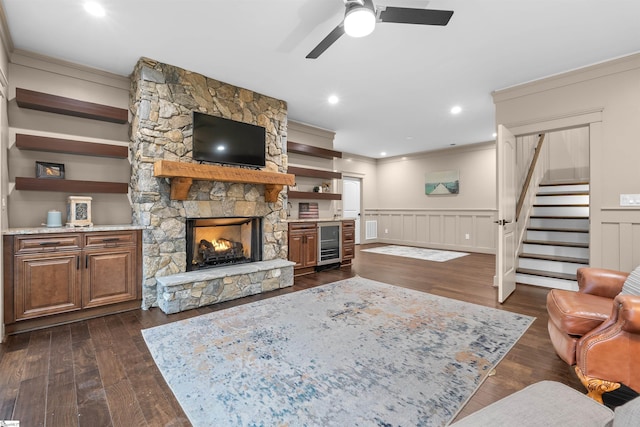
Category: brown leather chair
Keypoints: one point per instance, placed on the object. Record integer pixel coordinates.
(597, 329)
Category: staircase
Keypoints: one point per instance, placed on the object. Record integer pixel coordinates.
(556, 243)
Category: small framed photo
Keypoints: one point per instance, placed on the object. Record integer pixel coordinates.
(49, 170)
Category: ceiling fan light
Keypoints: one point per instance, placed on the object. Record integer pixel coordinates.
(359, 21)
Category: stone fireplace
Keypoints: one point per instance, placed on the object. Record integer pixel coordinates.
(162, 100)
(216, 242)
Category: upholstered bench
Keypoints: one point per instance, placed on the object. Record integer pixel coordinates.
(549, 404)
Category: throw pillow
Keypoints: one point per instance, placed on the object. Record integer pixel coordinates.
(632, 284)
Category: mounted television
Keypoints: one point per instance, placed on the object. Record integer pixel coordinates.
(226, 141)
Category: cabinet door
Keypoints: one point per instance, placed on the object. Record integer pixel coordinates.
(47, 284)
(348, 240)
(109, 277)
(311, 248)
(296, 248)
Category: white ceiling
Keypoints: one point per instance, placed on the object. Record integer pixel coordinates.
(396, 86)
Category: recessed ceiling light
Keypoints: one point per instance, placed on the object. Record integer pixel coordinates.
(456, 109)
(333, 99)
(94, 8)
(495, 134)
(383, 153)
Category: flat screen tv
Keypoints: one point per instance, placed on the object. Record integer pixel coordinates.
(220, 140)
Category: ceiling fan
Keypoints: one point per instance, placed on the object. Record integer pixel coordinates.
(361, 16)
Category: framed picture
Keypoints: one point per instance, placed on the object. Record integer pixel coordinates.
(442, 182)
(49, 170)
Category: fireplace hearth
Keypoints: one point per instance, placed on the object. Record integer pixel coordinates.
(216, 242)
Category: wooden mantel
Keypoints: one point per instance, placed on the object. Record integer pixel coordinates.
(182, 175)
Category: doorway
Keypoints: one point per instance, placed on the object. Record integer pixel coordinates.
(351, 196)
(593, 122)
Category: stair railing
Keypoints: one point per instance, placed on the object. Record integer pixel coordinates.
(535, 173)
(527, 181)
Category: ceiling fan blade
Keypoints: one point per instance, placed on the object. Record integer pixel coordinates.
(326, 42)
(405, 15)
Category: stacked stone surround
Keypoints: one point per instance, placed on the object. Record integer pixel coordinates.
(162, 99)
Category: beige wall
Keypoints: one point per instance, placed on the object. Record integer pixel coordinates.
(364, 169)
(309, 135)
(28, 71)
(401, 179)
(406, 215)
(606, 99)
(4, 130)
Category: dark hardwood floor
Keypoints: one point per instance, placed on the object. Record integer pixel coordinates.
(100, 373)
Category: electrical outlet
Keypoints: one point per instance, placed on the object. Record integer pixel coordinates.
(630, 200)
(466, 236)
(386, 231)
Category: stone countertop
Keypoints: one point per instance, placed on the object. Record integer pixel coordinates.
(315, 219)
(51, 230)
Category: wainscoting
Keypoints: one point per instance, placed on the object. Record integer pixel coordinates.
(436, 228)
(616, 244)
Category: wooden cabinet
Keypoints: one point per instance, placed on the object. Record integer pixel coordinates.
(303, 246)
(47, 283)
(110, 268)
(348, 241)
(71, 274)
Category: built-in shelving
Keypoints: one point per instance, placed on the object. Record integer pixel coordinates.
(71, 107)
(314, 173)
(67, 146)
(310, 150)
(70, 186)
(313, 195)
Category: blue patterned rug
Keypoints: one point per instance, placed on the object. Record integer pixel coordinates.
(351, 353)
(418, 253)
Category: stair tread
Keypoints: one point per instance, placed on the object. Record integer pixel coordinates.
(559, 184)
(559, 229)
(553, 275)
(555, 258)
(561, 205)
(563, 193)
(552, 243)
(558, 217)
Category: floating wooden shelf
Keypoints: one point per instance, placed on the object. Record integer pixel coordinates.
(182, 175)
(68, 146)
(71, 107)
(310, 150)
(70, 186)
(313, 195)
(314, 173)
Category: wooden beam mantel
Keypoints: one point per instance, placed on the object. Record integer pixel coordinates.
(182, 175)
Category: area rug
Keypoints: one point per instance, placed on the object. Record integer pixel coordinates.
(351, 353)
(419, 253)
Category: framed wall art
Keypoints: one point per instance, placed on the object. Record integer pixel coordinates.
(442, 183)
(49, 170)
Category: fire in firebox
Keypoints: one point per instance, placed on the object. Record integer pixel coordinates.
(220, 251)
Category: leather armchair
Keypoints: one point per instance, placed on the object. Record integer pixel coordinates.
(598, 330)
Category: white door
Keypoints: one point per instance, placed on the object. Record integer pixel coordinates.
(506, 258)
(351, 202)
